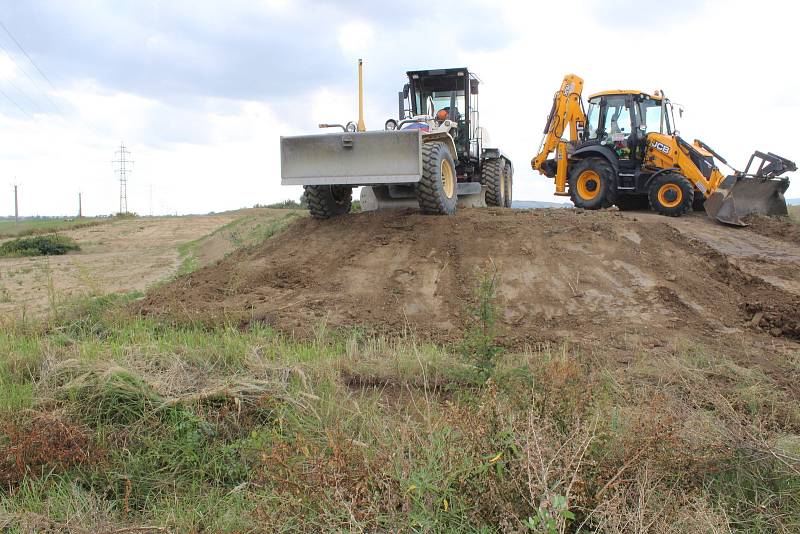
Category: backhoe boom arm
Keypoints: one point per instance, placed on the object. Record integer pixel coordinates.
(567, 110)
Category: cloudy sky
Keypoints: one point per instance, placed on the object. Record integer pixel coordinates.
(200, 91)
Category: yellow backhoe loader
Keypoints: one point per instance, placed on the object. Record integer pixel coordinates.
(624, 151)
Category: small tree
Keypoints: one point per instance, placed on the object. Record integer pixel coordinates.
(479, 346)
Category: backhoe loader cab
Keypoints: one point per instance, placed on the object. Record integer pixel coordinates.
(624, 150)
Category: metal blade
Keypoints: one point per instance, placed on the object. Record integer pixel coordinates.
(738, 197)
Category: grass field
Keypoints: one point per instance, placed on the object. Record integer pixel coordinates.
(111, 421)
(794, 213)
(8, 228)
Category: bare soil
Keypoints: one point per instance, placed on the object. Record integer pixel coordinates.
(595, 278)
(777, 227)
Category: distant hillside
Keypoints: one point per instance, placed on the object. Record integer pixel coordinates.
(528, 204)
(790, 201)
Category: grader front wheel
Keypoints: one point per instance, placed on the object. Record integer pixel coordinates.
(436, 191)
(326, 201)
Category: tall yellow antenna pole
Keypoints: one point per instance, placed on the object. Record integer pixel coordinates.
(361, 126)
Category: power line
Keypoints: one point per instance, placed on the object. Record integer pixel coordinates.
(15, 103)
(44, 76)
(32, 80)
(27, 56)
(20, 91)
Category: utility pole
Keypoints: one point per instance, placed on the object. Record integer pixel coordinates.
(80, 206)
(124, 165)
(16, 207)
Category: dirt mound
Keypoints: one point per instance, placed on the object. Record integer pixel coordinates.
(781, 228)
(599, 277)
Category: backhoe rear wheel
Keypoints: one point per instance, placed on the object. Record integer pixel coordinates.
(509, 174)
(671, 194)
(326, 201)
(493, 176)
(592, 184)
(436, 191)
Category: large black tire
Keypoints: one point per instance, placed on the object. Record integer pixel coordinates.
(633, 202)
(592, 184)
(493, 177)
(698, 204)
(671, 194)
(326, 201)
(436, 191)
(509, 172)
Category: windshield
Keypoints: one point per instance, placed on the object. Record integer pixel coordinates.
(650, 112)
(441, 100)
(439, 91)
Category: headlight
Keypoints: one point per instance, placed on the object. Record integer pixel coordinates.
(350, 127)
(390, 125)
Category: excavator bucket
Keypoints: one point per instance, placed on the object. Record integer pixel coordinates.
(738, 197)
(743, 194)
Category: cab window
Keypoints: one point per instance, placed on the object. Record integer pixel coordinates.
(617, 123)
(592, 119)
(650, 111)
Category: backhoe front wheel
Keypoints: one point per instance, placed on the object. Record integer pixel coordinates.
(496, 176)
(592, 184)
(671, 194)
(436, 191)
(326, 201)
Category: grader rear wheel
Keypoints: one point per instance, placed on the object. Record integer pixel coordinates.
(509, 176)
(493, 176)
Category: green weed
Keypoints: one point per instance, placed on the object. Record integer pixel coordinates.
(46, 245)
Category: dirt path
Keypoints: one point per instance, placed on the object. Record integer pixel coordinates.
(122, 256)
(777, 261)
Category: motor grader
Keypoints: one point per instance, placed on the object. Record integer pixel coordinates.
(625, 151)
(434, 156)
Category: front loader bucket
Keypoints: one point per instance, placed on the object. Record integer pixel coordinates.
(739, 196)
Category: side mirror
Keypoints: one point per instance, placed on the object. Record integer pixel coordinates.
(473, 86)
(406, 89)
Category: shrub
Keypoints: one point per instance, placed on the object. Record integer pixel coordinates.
(41, 444)
(479, 344)
(45, 245)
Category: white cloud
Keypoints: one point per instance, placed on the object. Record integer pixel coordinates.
(355, 37)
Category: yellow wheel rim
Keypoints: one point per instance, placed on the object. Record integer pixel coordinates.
(503, 185)
(670, 195)
(448, 179)
(588, 185)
